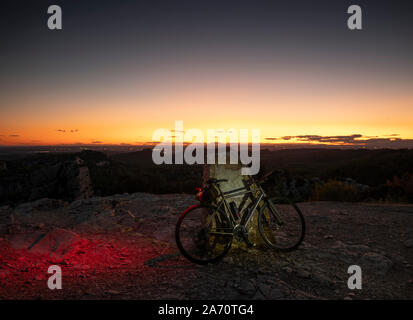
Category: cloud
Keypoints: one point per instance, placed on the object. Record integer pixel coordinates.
(14, 135)
(356, 140)
(64, 130)
(350, 139)
(96, 142)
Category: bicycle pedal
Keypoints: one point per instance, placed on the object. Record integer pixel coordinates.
(251, 244)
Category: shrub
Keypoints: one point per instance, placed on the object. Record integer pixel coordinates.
(401, 187)
(334, 190)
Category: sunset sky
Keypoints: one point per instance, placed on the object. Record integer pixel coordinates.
(121, 69)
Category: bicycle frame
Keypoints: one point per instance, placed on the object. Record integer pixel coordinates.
(235, 193)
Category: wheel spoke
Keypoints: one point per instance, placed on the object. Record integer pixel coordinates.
(203, 235)
(281, 226)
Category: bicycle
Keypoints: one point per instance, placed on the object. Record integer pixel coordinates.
(204, 232)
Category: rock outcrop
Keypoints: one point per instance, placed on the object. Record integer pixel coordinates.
(32, 179)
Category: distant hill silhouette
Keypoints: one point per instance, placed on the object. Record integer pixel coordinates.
(383, 174)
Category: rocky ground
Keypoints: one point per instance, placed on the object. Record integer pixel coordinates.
(122, 247)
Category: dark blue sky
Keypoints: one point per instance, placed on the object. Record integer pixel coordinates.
(148, 49)
(101, 34)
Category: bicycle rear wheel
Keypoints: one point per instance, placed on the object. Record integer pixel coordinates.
(282, 226)
(203, 234)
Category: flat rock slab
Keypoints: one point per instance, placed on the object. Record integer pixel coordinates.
(127, 246)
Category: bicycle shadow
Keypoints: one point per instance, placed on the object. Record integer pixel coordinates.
(170, 260)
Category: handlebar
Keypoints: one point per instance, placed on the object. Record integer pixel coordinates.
(262, 180)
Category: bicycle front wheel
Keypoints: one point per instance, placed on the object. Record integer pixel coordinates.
(282, 226)
(203, 234)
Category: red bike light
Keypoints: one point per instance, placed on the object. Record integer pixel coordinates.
(199, 196)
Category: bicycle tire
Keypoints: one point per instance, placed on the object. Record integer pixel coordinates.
(265, 238)
(181, 248)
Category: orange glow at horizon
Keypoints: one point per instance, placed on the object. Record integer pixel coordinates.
(104, 115)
